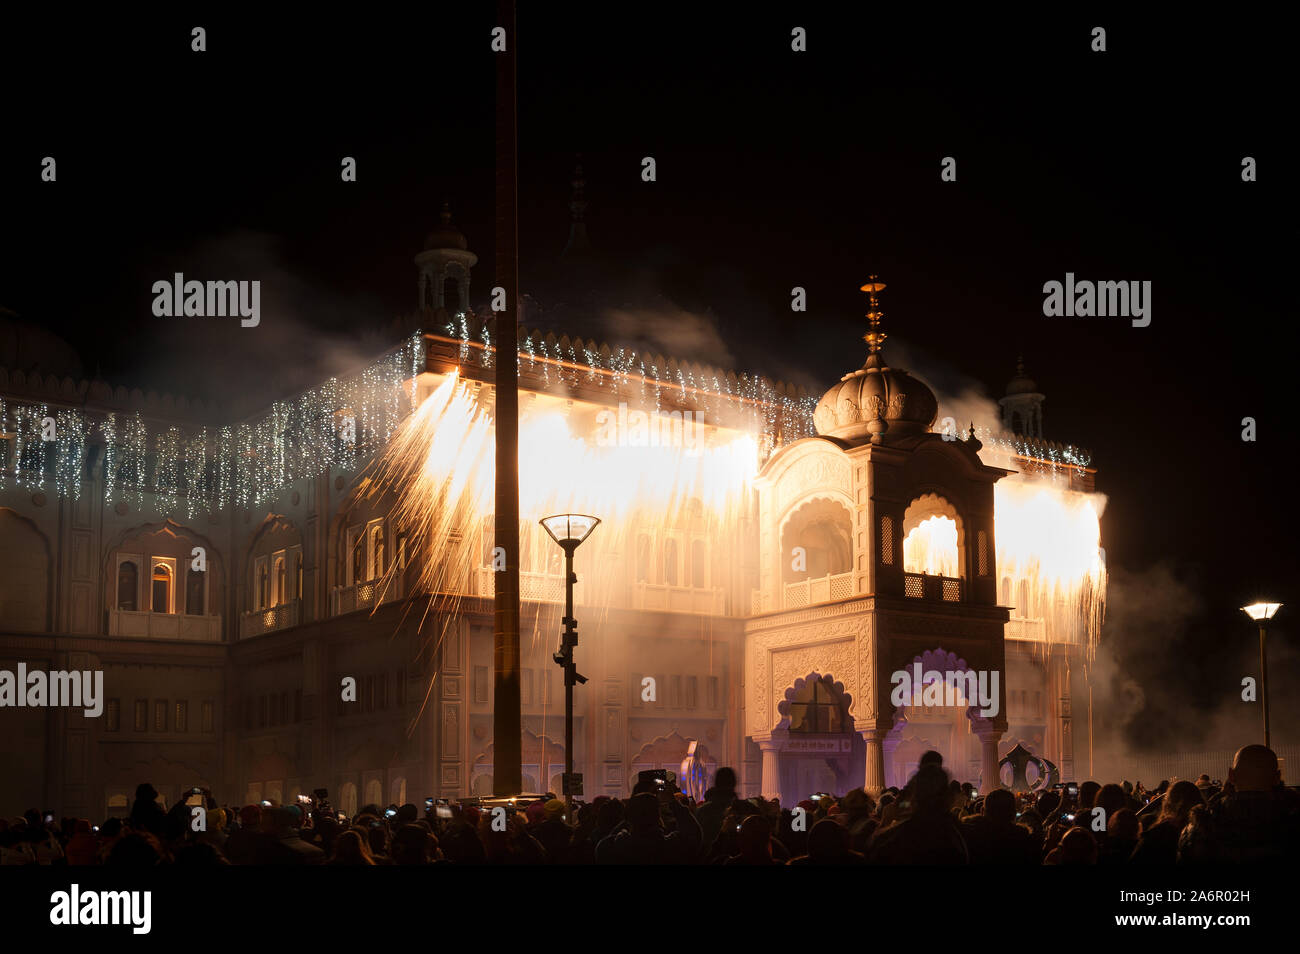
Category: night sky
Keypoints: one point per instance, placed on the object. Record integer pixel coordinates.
(775, 169)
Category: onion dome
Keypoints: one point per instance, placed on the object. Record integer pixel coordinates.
(445, 235)
(876, 402)
(1021, 383)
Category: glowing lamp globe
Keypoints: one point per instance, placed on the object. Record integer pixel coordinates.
(1258, 611)
(569, 529)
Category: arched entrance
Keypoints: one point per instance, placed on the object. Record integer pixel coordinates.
(819, 750)
(946, 729)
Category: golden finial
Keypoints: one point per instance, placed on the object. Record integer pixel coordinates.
(875, 337)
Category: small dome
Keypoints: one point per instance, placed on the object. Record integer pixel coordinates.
(445, 235)
(1021, 383)
(854, 409)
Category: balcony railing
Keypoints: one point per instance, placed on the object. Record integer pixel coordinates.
(533, 587)
(360, 596)
(164, 626)
(922, 586)
(271, 619)
(821, 589)
(679, 599)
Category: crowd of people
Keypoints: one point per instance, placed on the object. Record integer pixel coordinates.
(1250, 818)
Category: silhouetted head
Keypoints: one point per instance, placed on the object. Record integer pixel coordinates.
(1254, 769)
(931, 757)
(643, 812)
(930, 792)
(827, 841)
(725, 779)
(1123, 825)
(1179, 802)
(1000, 806)
(1077, 847)
(144, 792)
(1111, 798)
(756, 837)
(1088, 794)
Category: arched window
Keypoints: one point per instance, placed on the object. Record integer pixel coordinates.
(128, 585)
(162, 588)
(817, 708)
(670, 562)
(359, 559)
(699, 565)
(451, 294)
(263, 587)
(280, 578)
(377, 552)
(195, 584)
(297, 576)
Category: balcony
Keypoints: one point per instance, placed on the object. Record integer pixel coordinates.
(1022, 627)
(679, 599)
(822, 589)
(922, 586)
(362, 596)
(533, 587)
(269, 620)
(164, 626)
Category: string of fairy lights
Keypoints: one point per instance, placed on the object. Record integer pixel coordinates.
(205, 470)
(775, 417)
(342, 421)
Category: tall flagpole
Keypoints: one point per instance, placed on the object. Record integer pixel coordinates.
(507, 773)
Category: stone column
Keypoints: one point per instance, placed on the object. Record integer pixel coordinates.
(771, 786)
(874, 783)
(989, 739)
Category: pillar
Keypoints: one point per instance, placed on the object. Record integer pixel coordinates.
(874, 783)
(989, 780)
(771, 786)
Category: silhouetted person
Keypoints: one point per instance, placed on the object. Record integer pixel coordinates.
(829, 843)
(755, 841)
(1077, 847)
(146, 813)
(351, 849)
(930, 836)
(716, 802)
(1256, 820)
(1159, 843)
(1121, 838)
(644, 841)
(993, 836)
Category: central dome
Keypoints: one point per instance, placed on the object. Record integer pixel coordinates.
(876, 402)
(855, 409)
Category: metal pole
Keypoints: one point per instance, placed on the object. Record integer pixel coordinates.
(570, 641)
(507, 720)
(1263, 670)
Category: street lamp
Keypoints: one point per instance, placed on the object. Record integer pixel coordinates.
(569, 530)
(1262, 613)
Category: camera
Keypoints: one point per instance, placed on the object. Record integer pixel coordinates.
(266, 803)
(390, 812)
(428, 803)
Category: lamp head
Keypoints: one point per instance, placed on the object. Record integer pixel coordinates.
(1258, 611)
(569, 529)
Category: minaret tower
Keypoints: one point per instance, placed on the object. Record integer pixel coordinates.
(1022, 408)
(445, 265)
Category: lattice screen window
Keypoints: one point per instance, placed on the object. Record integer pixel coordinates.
(982, 542)
(887, 540)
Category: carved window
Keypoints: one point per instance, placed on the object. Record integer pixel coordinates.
(887, 540)
(817, 709)
(982, 544)
(195, 584)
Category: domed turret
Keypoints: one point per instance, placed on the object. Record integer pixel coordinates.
(876, 402)
(445, 265)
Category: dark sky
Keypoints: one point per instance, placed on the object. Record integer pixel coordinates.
(775, 169)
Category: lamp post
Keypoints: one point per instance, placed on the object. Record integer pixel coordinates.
(569, 530)
(1262, 613)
